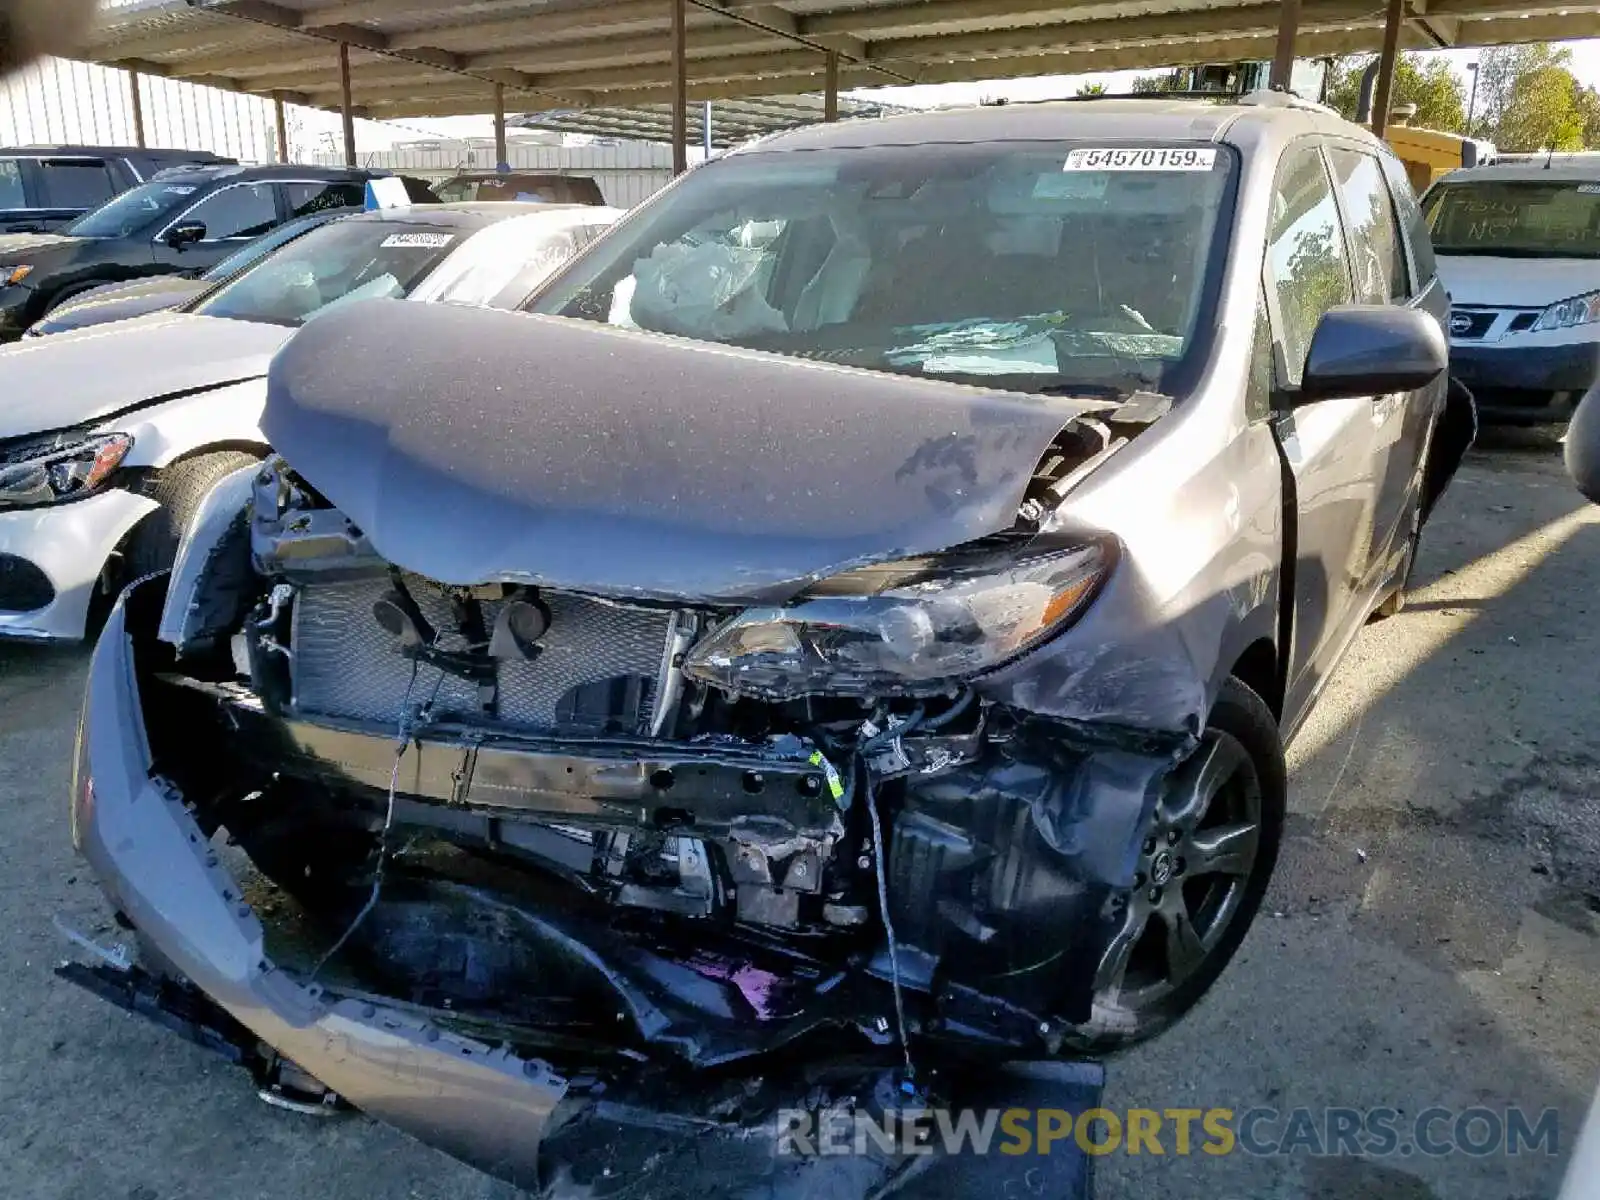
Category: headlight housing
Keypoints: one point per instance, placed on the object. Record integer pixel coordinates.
(908, 628)
(14, 274)
(58, 467)
(1566, 314)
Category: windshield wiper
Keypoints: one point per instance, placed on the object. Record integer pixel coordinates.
(1100, 391)
(1089, 391)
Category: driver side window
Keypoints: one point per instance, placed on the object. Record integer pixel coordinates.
(1308, 270)
(243, 211)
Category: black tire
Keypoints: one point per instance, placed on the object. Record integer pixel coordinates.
(68, 295)
(1243, 718)
(1395, 601)
(179, 489)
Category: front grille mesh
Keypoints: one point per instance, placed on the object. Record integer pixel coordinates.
(1478, 322)
(346, 665)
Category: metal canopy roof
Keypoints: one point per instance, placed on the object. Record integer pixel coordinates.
(412, 58)
(732, 121)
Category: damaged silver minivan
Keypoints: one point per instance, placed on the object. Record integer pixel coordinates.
(847, 629)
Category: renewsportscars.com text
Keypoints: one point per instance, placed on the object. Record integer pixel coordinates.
(1327, 1132)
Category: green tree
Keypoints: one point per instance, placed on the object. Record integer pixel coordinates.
(1587, 102)
(1499, 69)
(1091, 89)
(1423, 80)
(1541, 112)
(1154, 85)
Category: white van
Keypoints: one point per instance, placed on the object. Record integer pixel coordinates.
(1518, 245)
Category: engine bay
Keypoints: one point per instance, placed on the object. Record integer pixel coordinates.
(513, 806)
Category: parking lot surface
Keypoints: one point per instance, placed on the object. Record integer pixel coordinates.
(1432, 938)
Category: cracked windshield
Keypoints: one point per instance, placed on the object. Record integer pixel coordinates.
(1081, 270)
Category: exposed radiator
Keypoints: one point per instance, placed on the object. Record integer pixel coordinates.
(346, 665)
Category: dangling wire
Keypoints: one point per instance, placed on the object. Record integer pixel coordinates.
(888, 928)
(407, 724)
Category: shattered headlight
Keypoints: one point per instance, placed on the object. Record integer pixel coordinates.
(903, 628)
(58, 467)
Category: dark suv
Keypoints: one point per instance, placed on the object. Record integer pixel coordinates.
(44, 187)
(183, 222)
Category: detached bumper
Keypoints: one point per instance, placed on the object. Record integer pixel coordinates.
(51, 560)
(1527, 384)
(486, 1106)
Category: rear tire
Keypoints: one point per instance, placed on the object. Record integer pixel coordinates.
(179, 489)
(1219, 870)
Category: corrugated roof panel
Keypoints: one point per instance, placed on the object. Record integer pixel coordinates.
(615, 53)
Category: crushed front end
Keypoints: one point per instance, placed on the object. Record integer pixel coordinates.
(491, 859)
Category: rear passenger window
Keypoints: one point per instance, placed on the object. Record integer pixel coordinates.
(240, 211)
(308, 198)
(1377, 248)
(1306, 264)
(74, 183)
(11, 185)
(456, 191)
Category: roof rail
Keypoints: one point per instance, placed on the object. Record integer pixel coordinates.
(1219, 97)
(1273, 98)
(1261, 99)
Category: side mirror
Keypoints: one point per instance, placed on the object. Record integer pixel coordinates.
(185, 233)
(1371, 350)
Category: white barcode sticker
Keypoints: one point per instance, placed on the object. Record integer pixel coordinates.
(422, 241)
(1146, 158)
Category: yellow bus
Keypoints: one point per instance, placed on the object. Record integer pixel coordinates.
(1426, 153)
(1429, 153)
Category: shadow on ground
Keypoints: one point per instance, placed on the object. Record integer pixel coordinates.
(1431, 936)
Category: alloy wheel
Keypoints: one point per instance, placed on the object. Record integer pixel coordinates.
(1194, 869)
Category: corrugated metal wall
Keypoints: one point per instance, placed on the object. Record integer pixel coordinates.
(627, 172)
(57, 101)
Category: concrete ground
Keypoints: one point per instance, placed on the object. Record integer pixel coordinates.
(1432, 937)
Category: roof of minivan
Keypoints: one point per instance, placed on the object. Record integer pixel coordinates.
(1154, 119)
(1530, 172)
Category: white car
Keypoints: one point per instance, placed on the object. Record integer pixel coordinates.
(111, 436)
(1518, 245)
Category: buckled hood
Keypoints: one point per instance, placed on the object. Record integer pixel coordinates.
(472, 446)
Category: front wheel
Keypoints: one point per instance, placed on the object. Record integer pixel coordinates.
(1395, 601)
(1203, 868)
(179, 489)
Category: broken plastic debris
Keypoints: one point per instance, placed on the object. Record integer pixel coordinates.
(116, 957)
